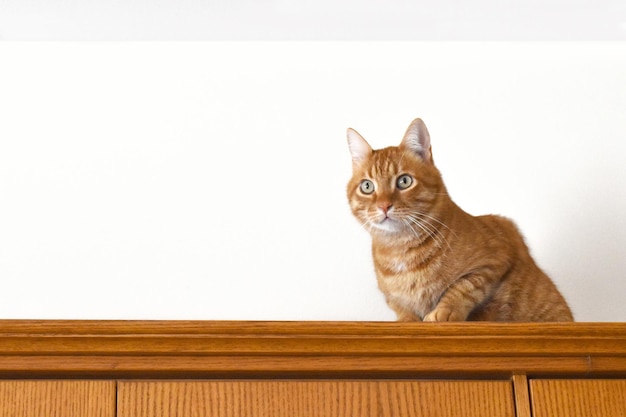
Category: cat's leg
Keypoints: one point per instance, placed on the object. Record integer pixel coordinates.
(465, 294)
(408, 316)
(402, 313)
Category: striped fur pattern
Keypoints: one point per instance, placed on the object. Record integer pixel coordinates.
(433, 261)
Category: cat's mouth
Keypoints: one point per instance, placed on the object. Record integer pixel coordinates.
(387, 224)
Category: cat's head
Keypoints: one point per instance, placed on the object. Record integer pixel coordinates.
(395, 189)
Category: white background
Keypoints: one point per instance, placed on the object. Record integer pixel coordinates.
(427, 20)
(206, 180)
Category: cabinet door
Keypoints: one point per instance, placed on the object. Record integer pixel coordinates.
(583, 397)
(315, 398)
(57, 398)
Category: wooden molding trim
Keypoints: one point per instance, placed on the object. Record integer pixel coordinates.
(234, 349)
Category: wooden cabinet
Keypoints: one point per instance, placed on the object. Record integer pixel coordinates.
(271, 398)
(57, 398)
(578, 397)
(189, 369)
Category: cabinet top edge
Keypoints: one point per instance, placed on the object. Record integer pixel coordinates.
(309, 328)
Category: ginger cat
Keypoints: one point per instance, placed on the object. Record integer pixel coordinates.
(433, 261)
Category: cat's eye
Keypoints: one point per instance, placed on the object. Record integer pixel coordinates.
(404, 181)
(367, 187)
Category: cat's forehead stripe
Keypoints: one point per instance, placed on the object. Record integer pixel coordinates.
(384, 163)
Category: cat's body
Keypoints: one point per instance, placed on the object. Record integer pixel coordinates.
(433, 261)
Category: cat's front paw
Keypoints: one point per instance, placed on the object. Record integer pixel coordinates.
(443, 314)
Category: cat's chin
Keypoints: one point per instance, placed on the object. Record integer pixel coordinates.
(386, 227)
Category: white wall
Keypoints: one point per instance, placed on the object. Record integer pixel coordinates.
(207, 180)
(166, 20)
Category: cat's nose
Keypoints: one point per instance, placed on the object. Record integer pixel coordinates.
(385, 207)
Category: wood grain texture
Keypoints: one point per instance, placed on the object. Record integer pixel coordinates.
(184, 349)
(315, 398)
(521, 395)
(57, 398)
(578, 398)
(189, 366)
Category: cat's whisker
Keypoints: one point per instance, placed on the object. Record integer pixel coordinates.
(367, 225)
(419, 213)
(422, 215)
(430, 230)
(408, 224)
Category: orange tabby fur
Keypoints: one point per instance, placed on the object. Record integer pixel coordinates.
(433, 261)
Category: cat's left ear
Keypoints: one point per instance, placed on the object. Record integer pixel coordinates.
(359, 148)
(417, 140)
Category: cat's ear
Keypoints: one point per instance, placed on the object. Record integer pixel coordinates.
(417, 140)
(359, 148)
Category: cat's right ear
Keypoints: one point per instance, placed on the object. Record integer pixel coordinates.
(359, 148)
